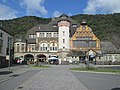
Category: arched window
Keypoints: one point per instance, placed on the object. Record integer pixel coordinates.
(43, 47)
(53, 46)
(18, 47)
(23, 47)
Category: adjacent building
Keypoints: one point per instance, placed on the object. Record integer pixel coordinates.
(6, 48)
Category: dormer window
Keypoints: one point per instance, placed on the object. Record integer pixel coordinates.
(32, 36)
(54, 25)
(74, 25)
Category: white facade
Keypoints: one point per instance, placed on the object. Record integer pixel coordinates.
(63, 39)
(20, 46)
(46, 34)
(5, 38)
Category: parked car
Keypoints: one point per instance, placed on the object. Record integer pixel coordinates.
(18, 61)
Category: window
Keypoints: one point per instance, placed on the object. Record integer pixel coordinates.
(29, 47)
(42, 35)
(50, 48)
(78, 43)
(33, 47)
(32, 36)
(63, 32)
(55, 34)
(22, 47)
(63, 40)
(53, 46)
(74, 25)
(18, 47)
(92, 43)
(1, 34)
(48, 35)
(84, 43)
(43, 47)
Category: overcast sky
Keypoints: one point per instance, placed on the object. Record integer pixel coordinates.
(10, 9)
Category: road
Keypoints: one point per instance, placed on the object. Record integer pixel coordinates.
(95, 81)
(114, 67)
(17, 80)
(58, 77)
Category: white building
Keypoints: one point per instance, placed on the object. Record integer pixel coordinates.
(49, 39)
(5, 43)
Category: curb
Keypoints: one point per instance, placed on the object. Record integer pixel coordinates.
(5, 79)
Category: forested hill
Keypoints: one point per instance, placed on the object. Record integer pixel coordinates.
(22, 25)
(106, 27)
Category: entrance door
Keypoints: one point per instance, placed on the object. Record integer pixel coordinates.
(41, 57)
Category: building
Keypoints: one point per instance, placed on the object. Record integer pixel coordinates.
(58, 37)
(84, 39)
(110, 53)
(6, 50)
(84, 42)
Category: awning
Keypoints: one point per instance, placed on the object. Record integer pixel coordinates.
(52, 58)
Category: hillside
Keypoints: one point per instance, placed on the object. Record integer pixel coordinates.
(23, 24)
(106, 27)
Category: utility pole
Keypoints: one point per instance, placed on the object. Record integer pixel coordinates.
(9, 46)
(9, 52)
(87, 63)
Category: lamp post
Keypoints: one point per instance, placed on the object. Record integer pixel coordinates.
(9, 43)
(87, 63)
(103, 54)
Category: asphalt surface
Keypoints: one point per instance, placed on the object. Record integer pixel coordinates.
(95, 81)
(58, 77)
(17, 80)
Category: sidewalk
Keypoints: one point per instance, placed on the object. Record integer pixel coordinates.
(58, 77)
(6, 74)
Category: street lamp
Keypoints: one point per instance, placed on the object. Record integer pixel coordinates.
(9, 46)
(87, 63)
(103, 53)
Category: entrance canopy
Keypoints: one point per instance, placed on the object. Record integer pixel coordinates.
(53, 58)
(41, 56)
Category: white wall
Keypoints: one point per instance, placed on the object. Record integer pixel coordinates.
(65, 36)
(5, 42)
(20, 44)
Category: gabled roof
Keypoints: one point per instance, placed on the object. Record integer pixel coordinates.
(108, 47)
(52, 26)
(76, 53)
